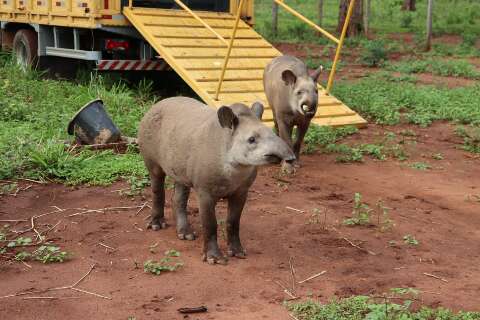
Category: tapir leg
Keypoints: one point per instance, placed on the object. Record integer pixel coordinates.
(285, 133)
(157, 176)
(211, 251)
(301, 131)
(236, 203)
(180, 200)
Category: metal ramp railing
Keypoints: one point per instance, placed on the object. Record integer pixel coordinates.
(221, 58)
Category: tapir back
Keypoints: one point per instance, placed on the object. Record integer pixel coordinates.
(175, 135)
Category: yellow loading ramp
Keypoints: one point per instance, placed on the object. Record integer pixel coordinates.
(197, 55)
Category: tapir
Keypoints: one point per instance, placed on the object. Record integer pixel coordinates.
(215, 152)
(293, 96)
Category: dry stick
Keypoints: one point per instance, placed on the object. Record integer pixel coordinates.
(293, 317)
(104, 210)
(434, 276)
(294, 209)
(50, 229)
(313, 277)
(50, 298)
(141, 208)
(21, 220)
(105, 246)
(286, 290)
(71, 287)
(292, 273)
(358, 247)
(35, 181)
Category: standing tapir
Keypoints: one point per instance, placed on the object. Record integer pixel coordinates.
(214, 152)
(293, 96)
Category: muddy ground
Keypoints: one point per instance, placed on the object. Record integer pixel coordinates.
(284, 219)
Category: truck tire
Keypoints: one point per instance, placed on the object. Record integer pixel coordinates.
(25, 46)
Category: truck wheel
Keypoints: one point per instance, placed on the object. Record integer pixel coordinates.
(25, 46)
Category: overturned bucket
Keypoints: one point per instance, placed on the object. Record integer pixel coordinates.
(92, 125)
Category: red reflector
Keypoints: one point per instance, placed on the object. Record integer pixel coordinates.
(116, 44)
(107, 16)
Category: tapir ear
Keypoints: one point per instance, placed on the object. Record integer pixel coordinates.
(227, 118)
(257, 108)
(289, 77)
(317, 73)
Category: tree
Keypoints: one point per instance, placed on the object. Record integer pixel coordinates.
(366, 16)
(356, 22)
(428, 45)
(409, 5)
(274, 18)
(320, 12)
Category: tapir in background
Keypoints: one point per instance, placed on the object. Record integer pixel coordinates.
(293, 96)
(215, 152)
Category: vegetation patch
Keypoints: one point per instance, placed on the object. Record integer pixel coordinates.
(34, 113)
(446, 68)
(364, 307)
(167, 263)
(386, 102)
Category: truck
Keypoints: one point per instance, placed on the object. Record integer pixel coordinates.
(210, 44)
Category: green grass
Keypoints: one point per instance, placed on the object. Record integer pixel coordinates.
(389, 102)
(450, 68)
(362, 307)
(386, 17)
(34, 113)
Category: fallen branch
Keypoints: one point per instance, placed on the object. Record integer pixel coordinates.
(313, 277)
(358, 247)
(187, 310)
(434, 276)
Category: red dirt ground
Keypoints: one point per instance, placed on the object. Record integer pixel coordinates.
(438, 206)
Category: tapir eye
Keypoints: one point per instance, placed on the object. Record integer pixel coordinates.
(251, 140)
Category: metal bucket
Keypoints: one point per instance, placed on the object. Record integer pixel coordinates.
(92, 125)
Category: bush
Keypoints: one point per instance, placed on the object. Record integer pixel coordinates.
(374, 53)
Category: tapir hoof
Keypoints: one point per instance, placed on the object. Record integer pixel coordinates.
(186, 236)
(237, 253)
(157, 224)
(215, 259)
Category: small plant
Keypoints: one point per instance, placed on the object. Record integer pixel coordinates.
(23, 255)
(7, 188)
(165, 264)
(137, 184)
(319, 216)
(405, 291)
(385, 223)
(408, 133)
(437, 156)
(471, 138)
(406, 19)
(410, 240)
(50, 254)
(420, 166)
(360, 213)
(19, 242)
(374, 53)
